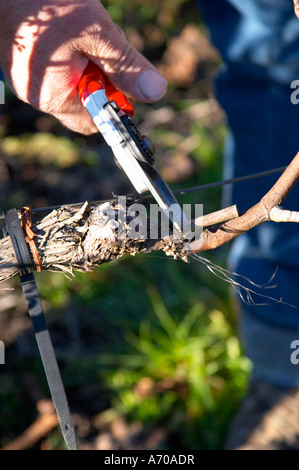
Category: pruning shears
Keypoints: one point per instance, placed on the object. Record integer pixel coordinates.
(112, 113)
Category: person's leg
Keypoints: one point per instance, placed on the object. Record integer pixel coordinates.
(259, 44)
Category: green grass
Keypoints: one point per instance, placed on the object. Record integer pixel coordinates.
(198, 355)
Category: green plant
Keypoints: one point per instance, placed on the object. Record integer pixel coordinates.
(187, 374)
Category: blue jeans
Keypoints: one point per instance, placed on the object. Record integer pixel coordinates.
(259, 43)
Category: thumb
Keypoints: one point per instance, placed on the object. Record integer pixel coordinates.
(126, 68)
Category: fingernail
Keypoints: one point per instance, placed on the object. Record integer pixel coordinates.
(152, 85)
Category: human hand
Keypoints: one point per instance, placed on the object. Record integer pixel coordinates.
(45, 46)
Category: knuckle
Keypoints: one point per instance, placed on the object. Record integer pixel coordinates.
(120, 60)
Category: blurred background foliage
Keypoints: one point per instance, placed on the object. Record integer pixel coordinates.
(147, 346)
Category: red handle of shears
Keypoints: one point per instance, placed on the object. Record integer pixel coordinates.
(93, 79)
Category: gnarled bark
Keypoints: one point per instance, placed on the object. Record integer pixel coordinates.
(82, 237)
